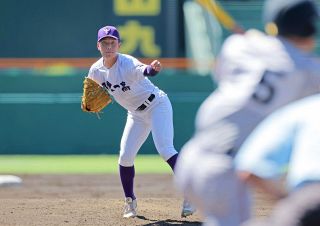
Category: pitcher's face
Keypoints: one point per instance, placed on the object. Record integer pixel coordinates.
(108, 47)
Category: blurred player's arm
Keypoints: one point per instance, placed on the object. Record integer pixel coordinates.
(272, 187)
(262, 161)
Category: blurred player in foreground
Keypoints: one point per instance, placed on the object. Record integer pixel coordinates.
(256, 74)
(286, 143)
(149, 108)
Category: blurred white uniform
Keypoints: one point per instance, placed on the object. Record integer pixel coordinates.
(287, 139)
(256, 74)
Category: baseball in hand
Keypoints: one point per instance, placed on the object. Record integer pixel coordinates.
(156, 65)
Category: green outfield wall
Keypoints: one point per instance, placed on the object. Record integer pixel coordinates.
(42, 115)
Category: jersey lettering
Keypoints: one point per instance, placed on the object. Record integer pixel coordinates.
(112, 88)
(124, 87)
(265, 90)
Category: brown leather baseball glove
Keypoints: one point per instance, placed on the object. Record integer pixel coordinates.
(94, 97)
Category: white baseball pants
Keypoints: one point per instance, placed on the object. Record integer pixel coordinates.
(158, 119)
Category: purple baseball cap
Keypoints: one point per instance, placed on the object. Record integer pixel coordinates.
(108, 31)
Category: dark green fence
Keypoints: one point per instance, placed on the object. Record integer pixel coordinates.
(68, 28)
(42, 115)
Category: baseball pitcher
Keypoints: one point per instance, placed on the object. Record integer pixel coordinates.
(149, 109)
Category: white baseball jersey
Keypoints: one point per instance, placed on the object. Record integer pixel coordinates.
(256, 74)
(125, 81)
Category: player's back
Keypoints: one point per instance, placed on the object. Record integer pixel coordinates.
(256, 74)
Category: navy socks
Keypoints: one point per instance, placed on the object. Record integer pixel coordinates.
(172, 161)
(127, 176)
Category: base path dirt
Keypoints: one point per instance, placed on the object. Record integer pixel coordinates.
(96, 200)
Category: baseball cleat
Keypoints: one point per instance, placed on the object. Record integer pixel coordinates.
(187, 209)
(130, 208)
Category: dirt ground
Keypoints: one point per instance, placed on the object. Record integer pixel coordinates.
(96, 200)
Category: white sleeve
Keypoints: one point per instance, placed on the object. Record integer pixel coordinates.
(233, 50)
(138, 69)
(91, 73)
(94, 75)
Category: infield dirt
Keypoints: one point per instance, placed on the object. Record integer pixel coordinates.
(96, 200)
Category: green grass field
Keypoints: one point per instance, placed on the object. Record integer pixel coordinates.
(77, 164)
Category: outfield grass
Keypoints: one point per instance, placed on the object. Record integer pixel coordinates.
(77, 164)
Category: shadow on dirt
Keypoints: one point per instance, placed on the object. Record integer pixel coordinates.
(169, 222)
